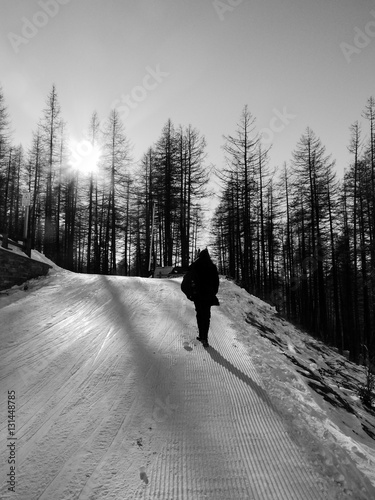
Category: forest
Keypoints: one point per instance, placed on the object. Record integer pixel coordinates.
(296, 236)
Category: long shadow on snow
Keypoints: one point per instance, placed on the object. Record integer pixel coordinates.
(164, 372)
(259, 391)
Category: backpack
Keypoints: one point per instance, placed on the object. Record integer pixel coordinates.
(188, 286)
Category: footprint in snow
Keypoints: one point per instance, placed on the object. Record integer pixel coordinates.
(143, 475)
(187, 346)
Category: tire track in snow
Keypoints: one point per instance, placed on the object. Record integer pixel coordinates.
(228, 441)
(110, 458)
(93, 451)
(48, 418)
(132, 395)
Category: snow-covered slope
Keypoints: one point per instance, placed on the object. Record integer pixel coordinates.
(115, 399)
(312, 383)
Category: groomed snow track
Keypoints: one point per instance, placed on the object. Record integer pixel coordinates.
(115, 399)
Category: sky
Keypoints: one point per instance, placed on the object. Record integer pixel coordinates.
(294, 63)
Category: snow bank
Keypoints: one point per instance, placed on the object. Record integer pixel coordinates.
(314, 386)
(17, 292)
(42, 258)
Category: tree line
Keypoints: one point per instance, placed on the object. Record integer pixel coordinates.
(301, 238)
(97, 210)
(296, 236)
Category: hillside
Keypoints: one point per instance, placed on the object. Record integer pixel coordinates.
(116, 399)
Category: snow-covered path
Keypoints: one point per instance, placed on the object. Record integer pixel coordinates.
(115, 399)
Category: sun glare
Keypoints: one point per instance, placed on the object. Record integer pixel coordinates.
(84, 157)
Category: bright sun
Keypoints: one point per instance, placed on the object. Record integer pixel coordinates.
(84, 157)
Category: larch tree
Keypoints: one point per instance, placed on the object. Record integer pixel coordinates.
(310, 164)
(5, 153)
(51, 128)
(242, 156)
(92, 229)
(116, 161)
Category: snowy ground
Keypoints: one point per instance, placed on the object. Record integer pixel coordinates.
(115, 399)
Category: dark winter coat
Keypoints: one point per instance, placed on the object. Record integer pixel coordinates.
(201, 282)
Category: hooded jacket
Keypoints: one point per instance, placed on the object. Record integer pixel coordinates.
(201, 282)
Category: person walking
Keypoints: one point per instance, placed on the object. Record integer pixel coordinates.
(201, 284)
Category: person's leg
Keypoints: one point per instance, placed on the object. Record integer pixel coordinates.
(206, 316)
(198, 311)
(203, 311)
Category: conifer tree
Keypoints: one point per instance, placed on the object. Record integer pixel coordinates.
(5, 153)
(51, 128)
(116, 161)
